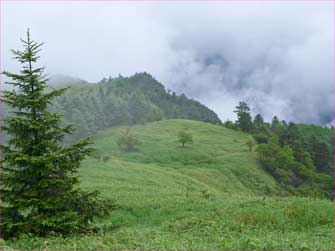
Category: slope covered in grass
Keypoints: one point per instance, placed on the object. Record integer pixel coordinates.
(230, 203)
(218, 157)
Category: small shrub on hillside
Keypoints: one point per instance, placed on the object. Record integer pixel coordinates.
(261, 138)
(205, 193)
(127, 142)
(250, 143)
(230, 125)
(185, 137)
(105, 159)
(187, 187)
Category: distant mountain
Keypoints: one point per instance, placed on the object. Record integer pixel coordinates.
(58, 80)
(125, 101)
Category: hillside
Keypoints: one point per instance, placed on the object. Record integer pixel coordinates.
(218, 157)
(125, 101)
(211, 194)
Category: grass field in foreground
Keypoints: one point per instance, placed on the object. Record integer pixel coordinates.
(232, 203)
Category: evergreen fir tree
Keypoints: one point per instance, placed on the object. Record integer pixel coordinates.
(289, 136)
(258, 121)
(243, 117)
(275, 124)
(321, 156)
(40, 192)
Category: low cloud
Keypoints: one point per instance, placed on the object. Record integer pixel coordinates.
(279, 57)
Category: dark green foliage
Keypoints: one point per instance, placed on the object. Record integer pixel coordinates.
(321, 156)
(291, 174)
(275, 123)
(320, 145)
(261, 130)
(244, 121)
(309, 156)
(300, 157)
(261, 137)
(276, 160)
(291, 136)
(258, 121)
(127, 142)
(185, 137)
(40, 191)
(230, 125)
(288, 136)
(125, 101)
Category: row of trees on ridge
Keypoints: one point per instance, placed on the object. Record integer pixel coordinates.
(300, 157)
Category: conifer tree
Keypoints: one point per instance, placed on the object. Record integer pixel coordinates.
(321, 155)
(275, 124)
(258, 121)
(244, 121)
(40, 192)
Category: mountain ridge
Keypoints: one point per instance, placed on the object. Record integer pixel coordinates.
(125, 101)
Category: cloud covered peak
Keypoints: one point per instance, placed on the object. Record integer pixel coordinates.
(277, 56)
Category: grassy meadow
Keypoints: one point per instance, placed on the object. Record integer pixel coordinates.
(208, 195)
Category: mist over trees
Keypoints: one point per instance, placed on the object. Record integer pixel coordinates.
(125, 101)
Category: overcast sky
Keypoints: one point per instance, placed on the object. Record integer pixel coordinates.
(278, 56)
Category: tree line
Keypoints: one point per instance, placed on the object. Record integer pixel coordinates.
(299, 157)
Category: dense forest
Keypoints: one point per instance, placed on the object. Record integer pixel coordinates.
(300, 157)
(125, 101)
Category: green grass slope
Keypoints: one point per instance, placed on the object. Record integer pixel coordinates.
(231, 202)
(218, 158)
